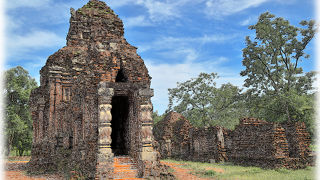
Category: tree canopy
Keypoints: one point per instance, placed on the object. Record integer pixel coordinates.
(278, 88)
(204, 104)
(18, 125)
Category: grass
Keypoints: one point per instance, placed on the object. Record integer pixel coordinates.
(245, 173)
(14, 152)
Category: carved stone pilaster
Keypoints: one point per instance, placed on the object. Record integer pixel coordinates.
(147, 152)
(104, 123)
(41, 106)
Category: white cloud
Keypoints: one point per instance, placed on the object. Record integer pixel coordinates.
(164, 10)
(26, 3)
(219, 38)
(136, 21)
(219, 8)
(117, 3)
(17, 45)
(286, 1)
(12, 23)
(173, 43)
(249, 21)
(166, 76)
(160, 10)
(37, 39)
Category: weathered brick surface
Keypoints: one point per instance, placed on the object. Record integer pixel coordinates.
(178, 139)
(172, 134)
(208, 144)
(268, 145)
(93, 102)
(252, 142)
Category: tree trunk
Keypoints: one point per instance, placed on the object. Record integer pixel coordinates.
(21, 152)
(288, 113)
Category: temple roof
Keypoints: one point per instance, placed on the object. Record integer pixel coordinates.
(95, 21)
(96, 8)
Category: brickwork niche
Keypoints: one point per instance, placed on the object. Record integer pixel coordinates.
(94, 101)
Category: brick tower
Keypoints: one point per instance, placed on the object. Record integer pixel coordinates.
(94, 101)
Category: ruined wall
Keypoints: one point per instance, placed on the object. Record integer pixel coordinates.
(269, 145)
(253, 142)
(299, 141)
(207, 144)
(256, 142)
(178, 139)
(172, 134)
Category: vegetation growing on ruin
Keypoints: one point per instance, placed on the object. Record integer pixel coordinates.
(98, 6)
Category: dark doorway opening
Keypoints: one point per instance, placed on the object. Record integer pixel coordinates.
(119, 125)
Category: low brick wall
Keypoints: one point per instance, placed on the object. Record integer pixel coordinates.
(270, 145)
(253, 142)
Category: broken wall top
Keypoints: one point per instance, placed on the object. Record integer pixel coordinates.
(173, 124)
(95, 21)
(96, 49)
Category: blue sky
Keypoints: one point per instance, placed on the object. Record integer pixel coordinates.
(177, 39)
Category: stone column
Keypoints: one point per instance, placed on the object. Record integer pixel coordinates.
(35, 120)
(40, 125)
(105, 155)
(147, 151)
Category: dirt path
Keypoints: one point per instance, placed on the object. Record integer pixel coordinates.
(183, 173)
(16, 170)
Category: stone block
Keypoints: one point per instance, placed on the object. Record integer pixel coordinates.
(148, 154)
(146, 92)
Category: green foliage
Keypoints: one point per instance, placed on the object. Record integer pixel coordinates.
(278, 89)
(201, 102)
(156, 117)
(18, 127)
(94, 5)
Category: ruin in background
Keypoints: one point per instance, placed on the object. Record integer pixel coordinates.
(93, 104)
(252, 142)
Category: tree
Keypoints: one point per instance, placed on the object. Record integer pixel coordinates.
(277, 86)
(201, 102)
(156, 117)
(18, 125)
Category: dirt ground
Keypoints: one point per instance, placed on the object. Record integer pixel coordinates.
(16, 170)
(184, 173)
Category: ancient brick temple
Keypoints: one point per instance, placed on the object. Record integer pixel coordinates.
(93, 103)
